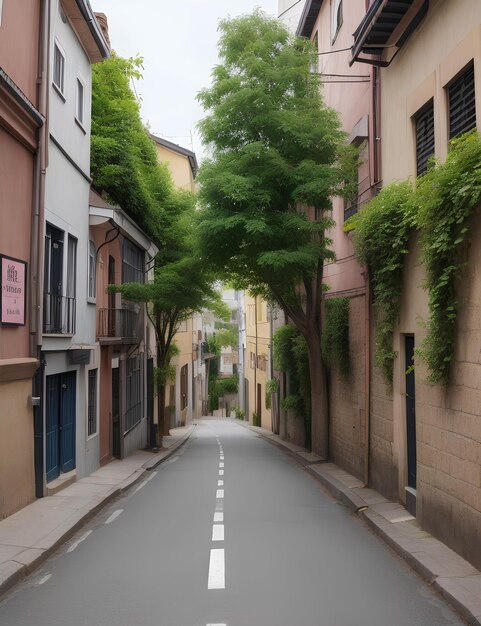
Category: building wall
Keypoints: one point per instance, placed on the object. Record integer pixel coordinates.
(19, 36)
(352, 99)
(17, 485)
(347, 398)
(257, 370)
(179, 167)
(448, 424)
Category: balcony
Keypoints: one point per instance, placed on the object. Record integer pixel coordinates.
(58, 314)
(119, 325)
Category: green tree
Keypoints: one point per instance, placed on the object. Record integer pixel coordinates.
(276, 160)
(125, 168)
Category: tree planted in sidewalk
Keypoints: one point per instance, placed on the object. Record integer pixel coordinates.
(278, 156)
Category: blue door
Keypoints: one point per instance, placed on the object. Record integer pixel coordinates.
(60, 424)
(67, 421)
(52, 432)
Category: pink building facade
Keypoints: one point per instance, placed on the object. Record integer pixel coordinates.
(22, 29)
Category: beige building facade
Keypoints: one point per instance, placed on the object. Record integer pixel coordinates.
(426, 439)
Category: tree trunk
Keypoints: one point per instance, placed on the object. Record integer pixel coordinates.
(161, 417)
(319, 400)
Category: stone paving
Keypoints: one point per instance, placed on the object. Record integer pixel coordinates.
(29, 536)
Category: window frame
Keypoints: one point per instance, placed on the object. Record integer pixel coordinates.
(80, 120)
(59, 88)
(469, 67)
(336, 18)
(92, 272)
(416, 118)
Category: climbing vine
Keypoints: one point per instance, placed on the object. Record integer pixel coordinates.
(335, 337)
(381, 236)
(272, 386)
(446, 196)
(290, 356)
(440, 208)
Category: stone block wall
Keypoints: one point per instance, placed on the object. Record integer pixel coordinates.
(347, 398)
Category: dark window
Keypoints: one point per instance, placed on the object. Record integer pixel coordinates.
(133, 400)
(424, 137)
(132, 263)
(92, 403)
(184, 398)
(462, 104)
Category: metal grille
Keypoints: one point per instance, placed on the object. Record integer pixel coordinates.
(133, 396)
(92, 403)
(132, 263)
(424, 138)
(462, 104)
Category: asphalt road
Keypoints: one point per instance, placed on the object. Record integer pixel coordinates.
(230, 532)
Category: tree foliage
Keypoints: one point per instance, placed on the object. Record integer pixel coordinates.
(126, 169)
(277, 158)
(274, 147)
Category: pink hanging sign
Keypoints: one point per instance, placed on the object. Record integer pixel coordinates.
(13, 294)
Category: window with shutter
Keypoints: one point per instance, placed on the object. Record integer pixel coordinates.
(462, 104)
(424, 137)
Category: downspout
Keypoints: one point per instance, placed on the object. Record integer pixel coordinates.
(37, 246)
(367, 383)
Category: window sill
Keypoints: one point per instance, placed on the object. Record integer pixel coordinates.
(91, 300)
(80, 125)
(93, 435)
(59, 335)
(59, 92)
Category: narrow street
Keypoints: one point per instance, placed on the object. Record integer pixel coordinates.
(227, 532)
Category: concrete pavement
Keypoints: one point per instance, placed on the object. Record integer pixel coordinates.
(451, 575)
(29, 536)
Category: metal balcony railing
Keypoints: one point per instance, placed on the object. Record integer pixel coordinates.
(58, 314)
(121, 323)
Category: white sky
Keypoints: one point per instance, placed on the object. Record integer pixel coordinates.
(178, 40)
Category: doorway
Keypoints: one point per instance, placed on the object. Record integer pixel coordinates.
(60, 423)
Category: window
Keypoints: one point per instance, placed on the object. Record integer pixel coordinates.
(424, 122)
(58, 68)
(133, 392)
(132, 263)
(336, 18)
(462, 104)
(92, 270)
(184, 378)
(79, 114)
(53, 281)
(1, 9)
(92, 403)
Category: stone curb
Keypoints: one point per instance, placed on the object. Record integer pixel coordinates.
(15, 574)
(445, 586)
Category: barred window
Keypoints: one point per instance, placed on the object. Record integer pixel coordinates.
(92, 403)
(58, 68)
(133, 408)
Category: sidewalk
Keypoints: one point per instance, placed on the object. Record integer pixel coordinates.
(29, 536)
(453, 577)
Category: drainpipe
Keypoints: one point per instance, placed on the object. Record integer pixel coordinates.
(367, 383)
(37, 246)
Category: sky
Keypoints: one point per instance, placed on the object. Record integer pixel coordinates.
(178, 41)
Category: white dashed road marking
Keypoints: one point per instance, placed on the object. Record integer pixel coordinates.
(218, 517)
(220, 493)
(221, 472)
(221, 465)
(216, 569)
(218, 532)
(220, 483)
